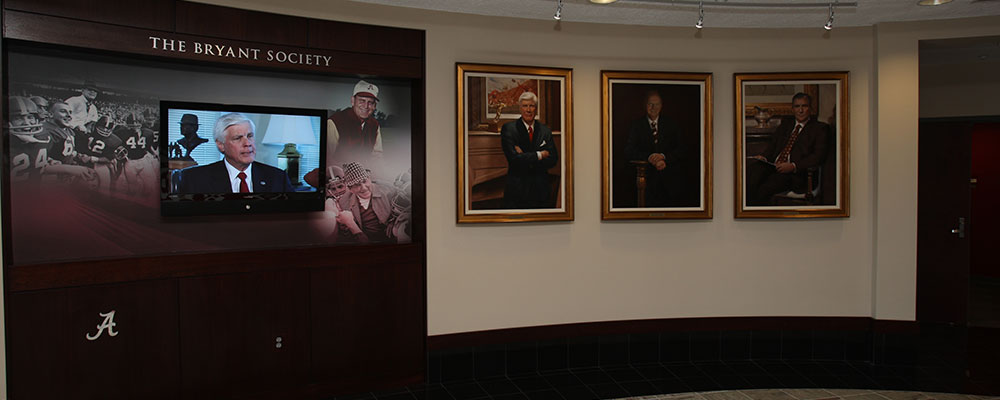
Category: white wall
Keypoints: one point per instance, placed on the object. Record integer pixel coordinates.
(499, 276)
(897, 100)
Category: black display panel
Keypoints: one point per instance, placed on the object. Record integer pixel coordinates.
(207, 146)
(75, 192)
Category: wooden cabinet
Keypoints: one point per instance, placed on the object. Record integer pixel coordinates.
(368, 324)
(243, 333)
(99, 342)
(285, 333)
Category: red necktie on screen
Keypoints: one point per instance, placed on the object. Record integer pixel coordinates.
(243, 182)
(783, 157)
(531, 134)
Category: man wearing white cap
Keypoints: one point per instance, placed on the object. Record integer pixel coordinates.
(353, 135)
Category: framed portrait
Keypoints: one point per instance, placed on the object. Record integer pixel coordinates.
(515, 143)
(656, 150)
(792, 145)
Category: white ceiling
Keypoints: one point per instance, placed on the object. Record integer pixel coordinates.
(717, 12)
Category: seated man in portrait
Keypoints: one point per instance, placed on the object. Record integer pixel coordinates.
(237, 172)
(796, 147)
(656, 139)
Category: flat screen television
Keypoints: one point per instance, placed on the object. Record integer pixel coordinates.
(239, 159)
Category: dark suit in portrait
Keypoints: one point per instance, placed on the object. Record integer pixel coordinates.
(214, 178)
(809, 151)
(528, 183)
(666, 187)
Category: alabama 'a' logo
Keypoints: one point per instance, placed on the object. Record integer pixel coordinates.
(108, 324)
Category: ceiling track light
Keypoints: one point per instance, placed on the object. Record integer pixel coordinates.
(744, 4)
(829, 23)
(558, 15)
(701, 15)
(932, 2)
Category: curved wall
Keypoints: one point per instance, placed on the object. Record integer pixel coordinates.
(483, 277)
(494, 276)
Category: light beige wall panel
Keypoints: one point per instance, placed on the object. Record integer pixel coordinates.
(898, 112)
(500, 276)
(960, 90)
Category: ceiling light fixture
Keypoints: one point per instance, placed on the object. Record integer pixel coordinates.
(558, 15)
(749, 4)
(932, 2)
(746, 4)
(701, 16)
(829, 23)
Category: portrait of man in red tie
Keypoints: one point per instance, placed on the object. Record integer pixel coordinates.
(799, 145)
(515, 143)
(237, 172)
(530, 152)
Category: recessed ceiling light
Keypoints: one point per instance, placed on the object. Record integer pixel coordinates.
(928, 2)
(603, 1)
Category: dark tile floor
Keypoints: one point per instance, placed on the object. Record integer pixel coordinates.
(984, 301)
(666, 378)
(936, 358)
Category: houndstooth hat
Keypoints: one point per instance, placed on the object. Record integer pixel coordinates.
(354, 173)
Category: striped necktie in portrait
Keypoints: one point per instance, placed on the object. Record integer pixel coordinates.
(783, 157)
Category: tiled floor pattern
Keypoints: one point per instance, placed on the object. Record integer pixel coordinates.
(751, 380)
(813, 394)
(984, 301)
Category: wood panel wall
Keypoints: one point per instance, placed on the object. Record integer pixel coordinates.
(307, 322)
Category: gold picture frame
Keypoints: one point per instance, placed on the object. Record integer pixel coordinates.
(505, 173)
(792, 145)
(662, 168)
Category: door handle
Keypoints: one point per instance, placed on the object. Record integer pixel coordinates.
(961, 228)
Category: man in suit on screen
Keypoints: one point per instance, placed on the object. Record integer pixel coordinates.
(237, 172)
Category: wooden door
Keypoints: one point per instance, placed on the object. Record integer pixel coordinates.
(243, 334)
(944, 209)
(97, 342)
